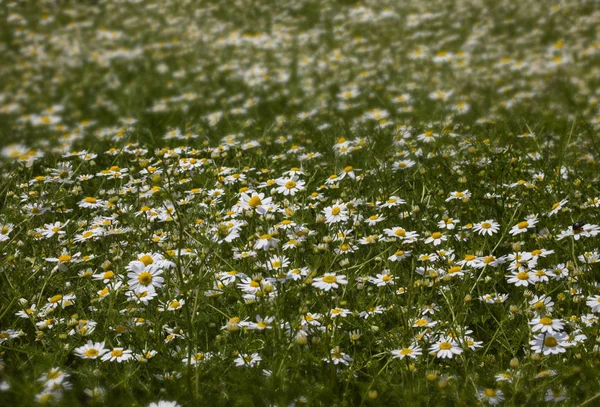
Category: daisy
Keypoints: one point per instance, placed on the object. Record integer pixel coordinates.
(445, 348)
(423, 322)
(247, 360)
(594, 303)
(172, 305)
(339, 312)
(52, 229)
(349, 172)
(411, 352)
(550, 344)
(163, 403)
(522, 227)
(448, 223)
(265, 242)
(488, 227)
(53, 378)
(399, 255)
(117, 355)
(142, 278)
(5, 231)
(436, 238)
(91, 350)
(255, 201)
(542, 304)
(91, 203)
(329, 281)
(289, 186)
(557, 207)
(492, 396)
(521, 278)
(402, 165)
(464, 196)
(338, 357)
(392, 202)
(373, 220)
(261, 323)
(335, 213)
(382, 279)
(556, 395)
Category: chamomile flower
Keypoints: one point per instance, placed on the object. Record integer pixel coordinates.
(445, 347)
(91, 350)
(248, 360)
(550, 344)
(329, 281)
(523, 226)
(487, 227)
(412, 352)
(117, 355)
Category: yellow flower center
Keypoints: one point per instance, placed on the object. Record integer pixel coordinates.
(174, 304)
(523, 225)
(550, 342)
(522, 275)
(546, 321)
(254, 201)
(147, 260)
(406, 351)
(91, 352)
(336, 210)
(470, 257)
(329, 279)
(117, 353)
(490, 392)
(91, 200)
(436, 235)
(64, 258)
(290, 184)
(56, 298)
(145, 278)
(445, 345)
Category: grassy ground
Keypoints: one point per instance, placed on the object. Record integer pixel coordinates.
(299, 202)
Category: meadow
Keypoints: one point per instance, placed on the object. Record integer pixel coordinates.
(299, 202)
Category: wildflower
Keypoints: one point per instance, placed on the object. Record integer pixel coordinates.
(522, 227)
(256, 202)
(489, 227)
(464, 196)
(550, 344)
(329, 281)
(91, 350)
(557, 207)
(492, 396)
(338, 357)
(413, 351)
(5, 231)
(436, 238)
(248, 360)
(117, 355)
(142, 278)
(445, 348)
(289, 186)
(594, 303)
(335, 214)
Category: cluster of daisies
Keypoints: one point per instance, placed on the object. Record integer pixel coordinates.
(324, 199)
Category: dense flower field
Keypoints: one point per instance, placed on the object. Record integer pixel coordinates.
(299, 202)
